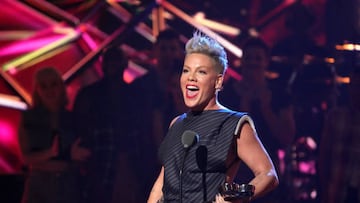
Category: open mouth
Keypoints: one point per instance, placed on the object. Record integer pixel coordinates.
(191, 91)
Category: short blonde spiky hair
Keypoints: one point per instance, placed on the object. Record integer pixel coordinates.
(203, 44)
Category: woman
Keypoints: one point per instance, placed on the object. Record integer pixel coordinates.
(47, 143)
(226, 137)
(269, 104)
(339, 155)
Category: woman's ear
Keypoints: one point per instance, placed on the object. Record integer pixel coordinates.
(219, 82)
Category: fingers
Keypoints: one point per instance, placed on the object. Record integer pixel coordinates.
(79, 153)
(77, 141)
(220, 199)
(54, 150)
(82, 154)
(85, 152)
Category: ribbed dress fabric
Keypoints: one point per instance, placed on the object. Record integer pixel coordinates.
(216, 132)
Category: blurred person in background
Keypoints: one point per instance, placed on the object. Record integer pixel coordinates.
(161, 82)
(267, 102)
(48, 143)
(109, 118)
(339, 156)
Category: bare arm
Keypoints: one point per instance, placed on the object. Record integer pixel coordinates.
(41, 159)
(281, 124)
(35, 157)
(252, 152)
(156, 191)
(158, 126)
(327, 158)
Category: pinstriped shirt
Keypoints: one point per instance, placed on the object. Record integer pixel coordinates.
(203, 172)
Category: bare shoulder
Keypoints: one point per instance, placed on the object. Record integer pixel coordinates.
(174, 120)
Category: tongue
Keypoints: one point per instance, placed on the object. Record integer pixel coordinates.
(191, 93)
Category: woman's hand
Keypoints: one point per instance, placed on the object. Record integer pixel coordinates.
(54, 149)
(79, 153)
(220, 199)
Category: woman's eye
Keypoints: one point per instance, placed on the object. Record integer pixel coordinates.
(55, 84)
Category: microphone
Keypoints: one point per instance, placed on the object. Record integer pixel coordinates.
(188, 139)
(201, 160)
(201, 157)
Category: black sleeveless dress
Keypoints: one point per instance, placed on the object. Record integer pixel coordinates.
(206, 163)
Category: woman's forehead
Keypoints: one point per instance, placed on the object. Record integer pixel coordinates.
(48, 79)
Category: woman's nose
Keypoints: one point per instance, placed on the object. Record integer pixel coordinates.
(191, 77)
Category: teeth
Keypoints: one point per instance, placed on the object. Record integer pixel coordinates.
(191, 87)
